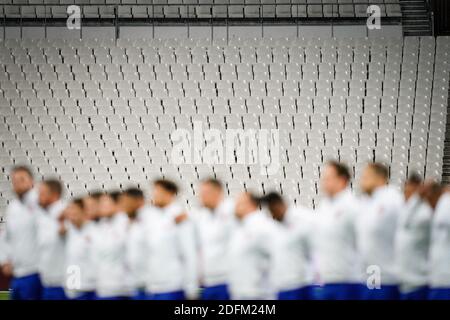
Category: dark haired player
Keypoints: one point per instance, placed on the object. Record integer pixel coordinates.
(172, 271)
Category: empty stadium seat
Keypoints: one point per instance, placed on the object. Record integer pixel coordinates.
(99, 113)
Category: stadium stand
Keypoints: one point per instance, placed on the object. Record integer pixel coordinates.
(201, 9)
(98, 113)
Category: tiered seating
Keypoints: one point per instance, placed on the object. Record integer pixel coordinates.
(200, 9)
(98, 113)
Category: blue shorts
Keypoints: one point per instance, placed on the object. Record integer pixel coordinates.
(140, 294)
(339, 291)
(439, 294)
(219, 292)
(303, 293)
(26, 288)
(175, 295)
(417, 294)
(387, 292)
(86, 295)
(114, 298)
(53, 293)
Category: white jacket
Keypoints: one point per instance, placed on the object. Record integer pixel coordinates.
(334, 239)
(377, 229)
(412, 243)
(250, 255)
(440, 244)
(80, 268)
(109, 251)
(170, 251)
(213, 231)
(136, 259)
(51, 246)
(19, 235)
(291, 263)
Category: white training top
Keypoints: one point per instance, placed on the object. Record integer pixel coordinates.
(335, 239)
(19, 236)
(171, 251)
(440, 244)
(250, 256)
(109, 252)
(377, 229)
(51, 245)
(412, 243)
(291, 261)
(213, 230)
(135, 254)
(80, 268)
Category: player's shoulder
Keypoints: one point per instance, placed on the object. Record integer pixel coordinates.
(58, 208)
(444, 201)
(197, 212)
(228, 205)
(347, 199)
(147, 213)
(174, 209)
(146, 209)
(121, 219)
(298, 214)
(262, 221)
(443, 205)
(392, 193)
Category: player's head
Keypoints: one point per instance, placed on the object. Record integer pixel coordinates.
(246, 203)
(50, 191)
(430, 192)
(131, 200)
(109, 204)
(412, 185)
(373, 176)
(276, 205)
(164, 192)
(91, 204)
(22, 180)
(211, 193)
(335, 178)
(75, 212)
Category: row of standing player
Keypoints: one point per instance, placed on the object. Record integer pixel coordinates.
(380, 245)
